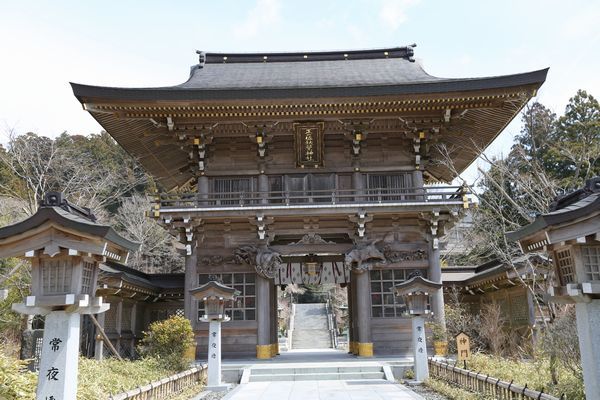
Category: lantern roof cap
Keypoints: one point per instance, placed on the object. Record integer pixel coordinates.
(55, 209)
(214, 289)
(415, 284)
(570, 207)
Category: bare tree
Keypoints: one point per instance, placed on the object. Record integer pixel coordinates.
(492, 327)
(38, 164)
(157, 252)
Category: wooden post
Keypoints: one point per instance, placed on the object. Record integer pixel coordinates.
(191, 281)
(99, 344)
(263, 316)
(105, 338)
(363, 305)
(435, 275)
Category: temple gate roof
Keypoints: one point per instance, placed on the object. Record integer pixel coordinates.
(232, 95)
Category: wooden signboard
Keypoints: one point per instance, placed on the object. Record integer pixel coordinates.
(308, 142)
(463, 347)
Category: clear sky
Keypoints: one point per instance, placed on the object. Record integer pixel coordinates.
(46, 44)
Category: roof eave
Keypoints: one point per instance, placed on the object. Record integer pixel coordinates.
(86, 93)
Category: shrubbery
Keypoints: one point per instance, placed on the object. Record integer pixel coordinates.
(168, 341)
(99, 379)
(534, 373)
(15, 381)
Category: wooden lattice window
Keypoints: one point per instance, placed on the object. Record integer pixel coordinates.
(126, 317)
(87, 277)
(566, 267)
(519, 308)
(383, 302)
(56, 275)
(110, 318)
(244, 306)
(231, 190)
(591, 262)
(388, 187)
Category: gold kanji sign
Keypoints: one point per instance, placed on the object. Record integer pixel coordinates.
(463, 347)
(308, 141)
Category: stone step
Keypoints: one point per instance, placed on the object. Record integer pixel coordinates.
(315, 370)
(330, 376)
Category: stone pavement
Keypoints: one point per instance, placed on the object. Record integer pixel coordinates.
(321, 390)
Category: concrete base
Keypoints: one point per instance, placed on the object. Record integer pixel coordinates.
(414, 383)
(218, 388)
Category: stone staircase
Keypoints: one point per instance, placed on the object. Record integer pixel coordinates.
(311, 330)
(318, 373)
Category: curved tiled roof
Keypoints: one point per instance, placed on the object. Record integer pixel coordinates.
(67, 219)
(380, 72)
(566, 208)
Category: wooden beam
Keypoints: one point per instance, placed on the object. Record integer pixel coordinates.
(105, 338)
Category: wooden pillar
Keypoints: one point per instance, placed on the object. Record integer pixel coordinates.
(99, 345)
(263, 317)
(363, 315)
(274, 320)
(435, 274)
(358, 184)
(203, 187)
(119, 327)
(190, 307)
(351, 336)
(263, 188)
(133, 327)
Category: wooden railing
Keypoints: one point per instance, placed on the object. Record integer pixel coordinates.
(439, 194)
(484, 384)
(165, 388)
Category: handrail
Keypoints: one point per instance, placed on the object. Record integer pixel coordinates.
(291, 327)
(331, 321)
(432, 194)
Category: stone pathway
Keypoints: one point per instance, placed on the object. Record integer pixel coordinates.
(321, 390)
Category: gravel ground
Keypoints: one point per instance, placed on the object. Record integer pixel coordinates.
(427, 393)
(212, 395)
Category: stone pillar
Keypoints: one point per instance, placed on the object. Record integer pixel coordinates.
(189, 303)
(419, 348)
(60, 356)
(214, 356)
(588, 326)
(263, 317)
(437, 296)
(99, 345)
(363, 314)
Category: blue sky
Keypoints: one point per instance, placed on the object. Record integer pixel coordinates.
(46, 44)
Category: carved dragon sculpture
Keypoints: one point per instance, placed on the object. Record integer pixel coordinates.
(265, 261)
(364, 257)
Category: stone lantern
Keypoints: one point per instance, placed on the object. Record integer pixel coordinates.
(415, 293)
(65, 246)
(214, 295)
(570, 234)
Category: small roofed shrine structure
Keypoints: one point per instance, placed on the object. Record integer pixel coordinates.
(65, 246)
(310, 168)
(570, 232)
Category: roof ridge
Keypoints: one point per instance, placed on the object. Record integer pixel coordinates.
(406, 52)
